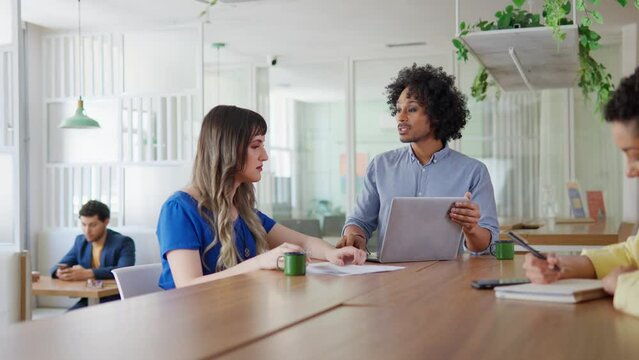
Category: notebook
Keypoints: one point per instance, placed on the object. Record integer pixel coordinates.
(563, 291)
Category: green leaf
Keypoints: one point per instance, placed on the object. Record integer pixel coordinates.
(581, 6)
(593, 36)
(583, 39)
(462, 25)
(597, 17)
(586, 21)
(623, 2)
(519, 3)
(504, 22)
(509, 8)
(536, 20)
(594, 2)
(458, 44)
(637, 4)
(566, 7)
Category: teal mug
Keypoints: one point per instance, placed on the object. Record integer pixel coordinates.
(294, 263)
(503, 249)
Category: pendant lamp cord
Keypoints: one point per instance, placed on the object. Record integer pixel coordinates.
(218, 75)
(80, 49)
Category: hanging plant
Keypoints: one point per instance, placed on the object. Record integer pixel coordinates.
(594, 78)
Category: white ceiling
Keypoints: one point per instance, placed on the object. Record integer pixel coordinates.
(297, 31)
(294, 29)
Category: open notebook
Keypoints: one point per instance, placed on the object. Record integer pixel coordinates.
(562, 291)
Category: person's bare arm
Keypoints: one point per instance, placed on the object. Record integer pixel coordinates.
(186, 266)
(544, 271)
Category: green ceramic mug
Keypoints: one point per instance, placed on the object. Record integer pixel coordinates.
(294, 263)
(503, 249)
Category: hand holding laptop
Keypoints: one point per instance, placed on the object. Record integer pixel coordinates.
(466, 213)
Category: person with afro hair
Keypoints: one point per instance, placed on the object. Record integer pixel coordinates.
(429, 111)
(616, 264)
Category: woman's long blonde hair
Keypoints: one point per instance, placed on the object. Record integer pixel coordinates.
(224, 139)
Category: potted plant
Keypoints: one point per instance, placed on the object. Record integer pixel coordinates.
(593, 77)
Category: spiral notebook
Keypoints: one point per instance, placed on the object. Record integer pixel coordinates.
(563, 291)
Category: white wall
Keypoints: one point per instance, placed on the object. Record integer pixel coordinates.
(161, 61)
(6, 22)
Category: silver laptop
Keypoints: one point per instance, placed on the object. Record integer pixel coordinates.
(420, 229)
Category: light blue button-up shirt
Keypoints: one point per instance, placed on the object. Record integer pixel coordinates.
(398, 173)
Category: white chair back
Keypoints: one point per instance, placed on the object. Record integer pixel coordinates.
(137, 280)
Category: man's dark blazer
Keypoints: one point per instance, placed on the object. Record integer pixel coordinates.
(118, 251)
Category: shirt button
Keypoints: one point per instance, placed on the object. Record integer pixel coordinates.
(423, 170)
(435, 161)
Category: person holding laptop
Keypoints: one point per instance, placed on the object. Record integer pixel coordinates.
(430, 111)
(616, 264)
(211, 229)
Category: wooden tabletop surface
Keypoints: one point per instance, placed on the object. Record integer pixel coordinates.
(589, 234)
(436, 314)
(48, 286)
(196, 322)
(427, 310)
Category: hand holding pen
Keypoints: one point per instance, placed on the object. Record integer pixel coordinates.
(540, 268)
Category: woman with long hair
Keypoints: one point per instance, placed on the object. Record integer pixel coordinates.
(211, 229)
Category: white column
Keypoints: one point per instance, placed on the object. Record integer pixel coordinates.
(629, 61)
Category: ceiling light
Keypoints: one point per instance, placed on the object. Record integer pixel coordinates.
(80, 120)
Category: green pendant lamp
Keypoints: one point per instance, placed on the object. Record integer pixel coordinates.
(80, 120)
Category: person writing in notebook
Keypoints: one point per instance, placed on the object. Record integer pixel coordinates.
(429, 112)
(211, 229)
(616, 264)
(95, 252)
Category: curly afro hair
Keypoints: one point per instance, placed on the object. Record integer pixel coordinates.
(436, 91)
(624, 103)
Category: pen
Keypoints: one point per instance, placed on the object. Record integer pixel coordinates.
(517, 239)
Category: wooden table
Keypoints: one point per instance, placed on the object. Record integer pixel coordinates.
(592, 234)
(48, 286)
(427, 310)
(436, 314)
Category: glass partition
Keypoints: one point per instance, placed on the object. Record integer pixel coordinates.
(306, 140)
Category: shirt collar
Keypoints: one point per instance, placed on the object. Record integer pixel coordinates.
(438, 156)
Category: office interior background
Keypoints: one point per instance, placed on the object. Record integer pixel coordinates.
(316, 70)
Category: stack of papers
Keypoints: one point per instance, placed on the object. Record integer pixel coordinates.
(326, 268)
(562, 291)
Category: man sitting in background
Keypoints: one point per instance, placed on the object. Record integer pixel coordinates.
(96, 252)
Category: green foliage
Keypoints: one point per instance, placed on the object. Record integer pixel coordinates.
(480, 85)
(594, 79)
(555, 14)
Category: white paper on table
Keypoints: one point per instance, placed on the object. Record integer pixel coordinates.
(326, 268)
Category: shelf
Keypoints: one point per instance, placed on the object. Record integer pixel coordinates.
(527, 59)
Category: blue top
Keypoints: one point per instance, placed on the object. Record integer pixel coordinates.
(398, 173)
(181, 226)
(118, 251)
